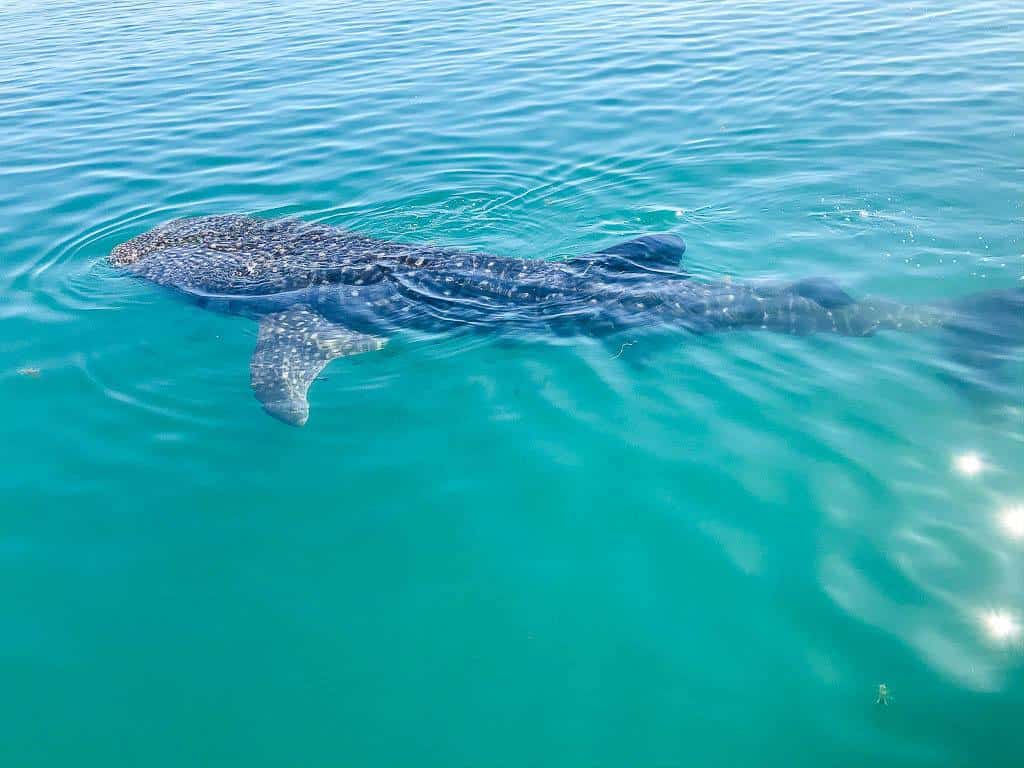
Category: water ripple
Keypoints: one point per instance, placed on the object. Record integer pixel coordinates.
(747, 528)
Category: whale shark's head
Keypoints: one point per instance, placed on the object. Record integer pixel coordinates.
(130, 251)
(225, 254)
(176, 233)
(178, 254)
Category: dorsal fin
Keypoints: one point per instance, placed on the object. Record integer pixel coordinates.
(823, 291)
(650, 253)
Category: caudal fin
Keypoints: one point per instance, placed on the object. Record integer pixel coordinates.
(985, 338)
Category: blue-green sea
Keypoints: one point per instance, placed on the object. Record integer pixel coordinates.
(695, 551)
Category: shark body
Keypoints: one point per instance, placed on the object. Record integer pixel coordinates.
(321, 292)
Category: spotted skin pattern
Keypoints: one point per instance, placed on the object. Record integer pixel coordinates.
(320, 292)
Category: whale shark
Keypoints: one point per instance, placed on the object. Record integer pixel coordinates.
(321, 292)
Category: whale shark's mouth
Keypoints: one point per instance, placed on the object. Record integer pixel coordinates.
(141, 246)
(229, 231)
(166, 235)
(124, 254)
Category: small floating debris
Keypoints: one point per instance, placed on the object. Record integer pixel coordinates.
(29, 371)
(883, 695)
(622, 349)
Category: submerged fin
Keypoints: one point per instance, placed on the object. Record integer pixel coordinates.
(292, 348)
(650, 253)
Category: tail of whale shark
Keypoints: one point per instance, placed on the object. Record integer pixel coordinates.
(984, 337)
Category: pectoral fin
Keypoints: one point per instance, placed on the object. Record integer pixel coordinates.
(292, 348)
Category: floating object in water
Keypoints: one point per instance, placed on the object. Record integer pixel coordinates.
(883, 695)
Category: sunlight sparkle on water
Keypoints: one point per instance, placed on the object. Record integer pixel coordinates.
(1000, 625)
(969, 464)
(1011, 520)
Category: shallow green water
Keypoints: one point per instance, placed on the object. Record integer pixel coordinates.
(698, 552)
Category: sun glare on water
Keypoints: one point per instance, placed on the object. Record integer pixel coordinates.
(969, 464)
(1001, 625)
(1011, 520)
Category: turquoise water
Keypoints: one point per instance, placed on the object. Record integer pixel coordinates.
(698, 552)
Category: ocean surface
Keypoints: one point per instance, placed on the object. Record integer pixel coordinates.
(692, 552)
